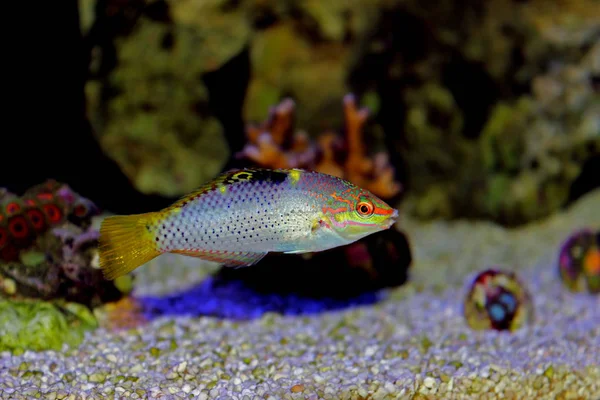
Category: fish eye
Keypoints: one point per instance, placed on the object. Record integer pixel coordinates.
(365, 208)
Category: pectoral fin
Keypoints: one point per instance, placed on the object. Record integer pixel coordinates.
(227, 258)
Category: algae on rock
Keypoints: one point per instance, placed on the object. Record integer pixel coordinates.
(151, 111)
(39, 325)
(537, 144)
(501, 112)
(307, 51)
(50, 279)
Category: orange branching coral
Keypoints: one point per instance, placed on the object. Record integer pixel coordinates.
(376, 175)
(275, 144)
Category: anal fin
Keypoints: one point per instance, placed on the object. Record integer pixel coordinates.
(227, 258)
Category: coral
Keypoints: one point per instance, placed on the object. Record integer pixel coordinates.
(275, 144)
(39, 325)
(50, 280)
(146, 98)
(437, 150)
(498, 300)
(48, 248)
(579, 261)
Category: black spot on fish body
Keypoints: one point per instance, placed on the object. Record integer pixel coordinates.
(257, 175)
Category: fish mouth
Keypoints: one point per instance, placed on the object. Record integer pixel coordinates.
(392, 219)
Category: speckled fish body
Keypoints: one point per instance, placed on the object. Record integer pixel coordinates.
(242, 215)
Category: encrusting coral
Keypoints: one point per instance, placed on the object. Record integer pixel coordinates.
(49, 279)
(275, 144)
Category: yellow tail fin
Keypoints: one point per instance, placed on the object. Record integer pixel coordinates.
(126, 243)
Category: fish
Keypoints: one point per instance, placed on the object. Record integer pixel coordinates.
(242, 215)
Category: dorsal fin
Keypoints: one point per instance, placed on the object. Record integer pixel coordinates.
(207, 187)
(231, 177)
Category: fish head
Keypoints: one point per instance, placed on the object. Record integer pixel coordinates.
(356, 213)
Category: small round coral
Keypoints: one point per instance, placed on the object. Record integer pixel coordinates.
(579, 261)
(497, 300)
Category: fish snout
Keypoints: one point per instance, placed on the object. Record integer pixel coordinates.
(392, 219)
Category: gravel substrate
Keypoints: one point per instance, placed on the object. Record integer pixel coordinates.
(414, 344)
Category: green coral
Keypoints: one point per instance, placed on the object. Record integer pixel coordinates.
(39, 325)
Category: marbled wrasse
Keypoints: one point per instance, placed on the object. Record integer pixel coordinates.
(240, 216)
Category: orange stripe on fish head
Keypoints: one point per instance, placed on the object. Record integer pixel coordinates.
(354, 213)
